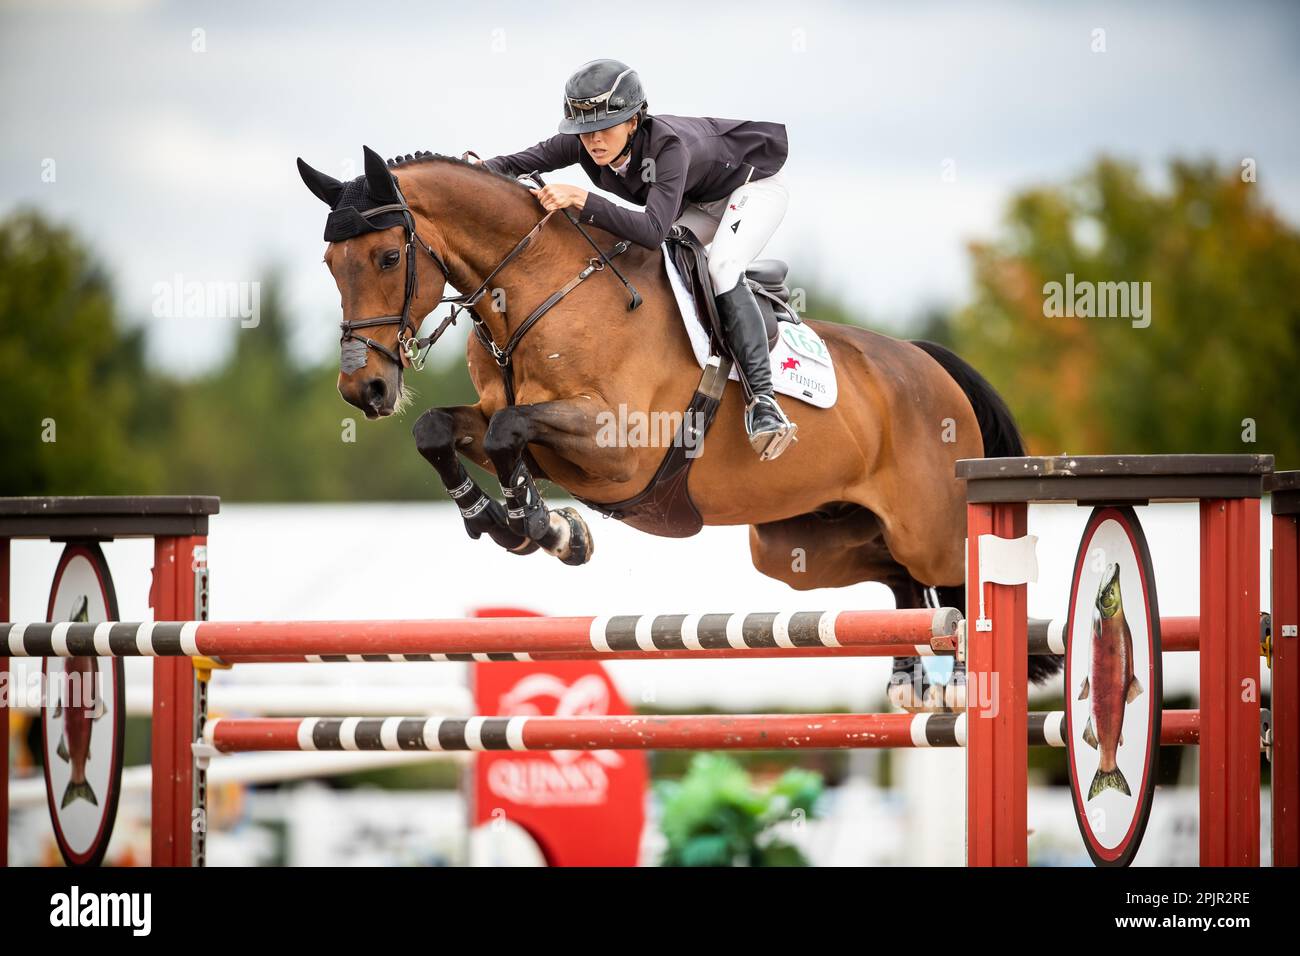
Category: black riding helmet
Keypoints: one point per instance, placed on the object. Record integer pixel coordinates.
(601, 94)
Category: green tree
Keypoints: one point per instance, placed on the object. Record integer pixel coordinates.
(68, 370)
(1223, 342)
(263, 426)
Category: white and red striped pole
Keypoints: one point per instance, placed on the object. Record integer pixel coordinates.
(624, 637)
(873, 633)
(677, 732)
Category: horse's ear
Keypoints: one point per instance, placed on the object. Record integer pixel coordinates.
(325, 188)
(379, 181)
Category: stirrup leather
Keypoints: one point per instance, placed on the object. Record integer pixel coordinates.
(769, 444)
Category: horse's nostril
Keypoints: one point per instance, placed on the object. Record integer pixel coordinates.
(376, 392)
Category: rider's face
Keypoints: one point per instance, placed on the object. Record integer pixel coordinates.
(604, 145)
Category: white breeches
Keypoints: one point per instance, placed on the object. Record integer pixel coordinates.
(738, 227)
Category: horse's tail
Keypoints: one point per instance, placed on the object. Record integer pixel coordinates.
(1001, 440)
(997, 426)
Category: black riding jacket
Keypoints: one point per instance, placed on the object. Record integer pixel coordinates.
(675, 160)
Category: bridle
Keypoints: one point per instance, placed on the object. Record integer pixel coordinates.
(407, 342)
(412, 349)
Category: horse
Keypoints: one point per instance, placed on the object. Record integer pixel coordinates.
(868, 493)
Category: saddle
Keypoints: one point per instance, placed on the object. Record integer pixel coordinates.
(665, 504)
(765, 278)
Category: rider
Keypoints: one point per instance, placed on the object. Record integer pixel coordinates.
(719, 178)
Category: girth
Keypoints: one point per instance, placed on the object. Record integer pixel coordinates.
(664, 505)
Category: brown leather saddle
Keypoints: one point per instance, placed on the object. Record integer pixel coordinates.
(664, 506)
(766, 279)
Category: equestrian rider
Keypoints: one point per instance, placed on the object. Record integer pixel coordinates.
(720, 178)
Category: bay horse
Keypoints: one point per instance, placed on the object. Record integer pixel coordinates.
(868, 493)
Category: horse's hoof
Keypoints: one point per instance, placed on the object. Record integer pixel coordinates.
(936, 698)
(907, 685)
(528, 546)
(903, 697)
(580, 546)
(954, 692)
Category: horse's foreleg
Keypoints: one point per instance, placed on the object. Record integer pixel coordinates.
(562, 532)
(439, 434)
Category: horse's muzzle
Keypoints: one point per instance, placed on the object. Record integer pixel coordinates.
(374, 395)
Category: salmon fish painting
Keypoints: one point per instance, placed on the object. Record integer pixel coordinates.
(81, 708)
(1110, 684)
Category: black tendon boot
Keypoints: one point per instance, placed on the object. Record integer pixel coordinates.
(770, 432)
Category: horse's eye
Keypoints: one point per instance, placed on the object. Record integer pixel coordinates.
(390, 259)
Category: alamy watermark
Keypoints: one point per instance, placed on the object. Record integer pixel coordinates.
(632, 428)
(76, 687)
(179, 299)
(133, 911)
(1102, 300)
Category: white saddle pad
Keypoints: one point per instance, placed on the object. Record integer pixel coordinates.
(801, 363)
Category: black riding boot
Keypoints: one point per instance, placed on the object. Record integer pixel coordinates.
(770, 431)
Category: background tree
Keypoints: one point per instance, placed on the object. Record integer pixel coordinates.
(68, 370)
(1224, 337)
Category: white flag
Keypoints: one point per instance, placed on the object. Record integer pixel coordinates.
(1008, 560)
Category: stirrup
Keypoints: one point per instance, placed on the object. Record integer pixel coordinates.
(770, 444)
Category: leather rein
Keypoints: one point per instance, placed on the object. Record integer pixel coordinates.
(412, 349)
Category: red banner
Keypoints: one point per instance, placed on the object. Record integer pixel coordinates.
(584, 808)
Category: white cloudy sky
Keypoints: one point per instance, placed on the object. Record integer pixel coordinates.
(172, 161)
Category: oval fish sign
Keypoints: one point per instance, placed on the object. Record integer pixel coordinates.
(83, 714)
(1113, 688)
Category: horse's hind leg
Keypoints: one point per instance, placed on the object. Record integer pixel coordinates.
(923, 695)
(909, 683)
(843, 545)
(909, 686)
(438, 433)
(954, 694)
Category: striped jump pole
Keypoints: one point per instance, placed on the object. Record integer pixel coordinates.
(884, 633)
(705, 654)
(692, 732)
(871, 633)
(1046, 637)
